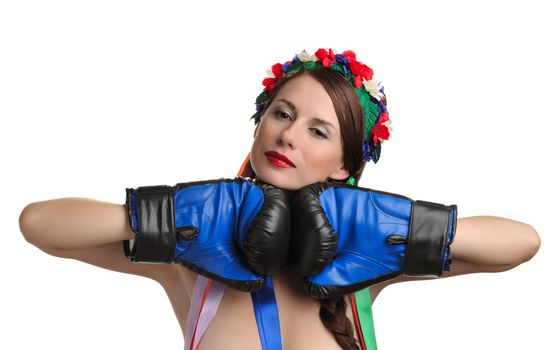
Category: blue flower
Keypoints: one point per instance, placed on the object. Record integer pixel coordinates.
(342, 62)
(286, 66)
(341, 59)
(371, 152)
(366, 151)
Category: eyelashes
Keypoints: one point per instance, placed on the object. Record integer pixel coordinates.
(316, 131)
(319, 133)
(281, 113)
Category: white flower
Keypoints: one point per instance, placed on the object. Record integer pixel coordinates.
(306, 57)
(388, 124)
(373, 87)
(269, 74)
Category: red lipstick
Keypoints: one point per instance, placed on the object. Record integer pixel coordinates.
(279, 159)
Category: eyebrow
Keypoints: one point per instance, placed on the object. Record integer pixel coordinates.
(292, 106)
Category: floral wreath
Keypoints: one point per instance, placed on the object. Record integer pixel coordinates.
(370, 92)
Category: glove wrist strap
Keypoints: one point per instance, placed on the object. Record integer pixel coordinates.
(151, 217)
(430, 233)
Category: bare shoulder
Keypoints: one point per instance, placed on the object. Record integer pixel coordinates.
(458, 267)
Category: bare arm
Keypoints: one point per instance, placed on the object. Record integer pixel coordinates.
(485, 244)
(74, 223)
(88, 230)
(492, 241)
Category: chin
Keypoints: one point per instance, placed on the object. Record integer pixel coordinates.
(282, 178)
(278, 180)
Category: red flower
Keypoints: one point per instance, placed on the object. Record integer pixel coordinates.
(384, 117)
(325, 57)
(270, 83)
(277, 70)
(380, 131)
(349, 55)
(360, 71)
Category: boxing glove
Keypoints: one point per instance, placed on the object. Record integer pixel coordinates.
(235, 231)
(346, 238)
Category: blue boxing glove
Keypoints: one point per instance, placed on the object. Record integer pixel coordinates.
(346, 238)
(235, 231)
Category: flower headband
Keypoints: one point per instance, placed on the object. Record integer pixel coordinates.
(369, 91)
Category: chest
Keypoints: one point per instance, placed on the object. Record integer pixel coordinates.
(234, 326)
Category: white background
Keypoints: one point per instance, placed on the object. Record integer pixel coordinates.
(97, 96)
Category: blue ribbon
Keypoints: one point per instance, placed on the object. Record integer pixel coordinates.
(266, 313)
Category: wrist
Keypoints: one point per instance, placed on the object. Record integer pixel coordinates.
(151, 218)
(431, 231)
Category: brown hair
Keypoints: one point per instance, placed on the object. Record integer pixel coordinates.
(351, 119)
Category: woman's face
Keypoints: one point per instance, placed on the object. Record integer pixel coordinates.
(300, 124)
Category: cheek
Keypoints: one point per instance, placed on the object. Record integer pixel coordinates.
(260, 142)
(260, 135)
(323, 158)
(265, 128)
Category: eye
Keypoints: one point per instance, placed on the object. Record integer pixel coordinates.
(281, 114)
(319, 133)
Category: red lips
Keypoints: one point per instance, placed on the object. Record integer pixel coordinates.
(279, 157)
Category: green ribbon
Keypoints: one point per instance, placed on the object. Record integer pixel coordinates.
(363, 306)
(365, 314)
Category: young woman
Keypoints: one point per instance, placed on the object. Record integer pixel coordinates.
(313, 124)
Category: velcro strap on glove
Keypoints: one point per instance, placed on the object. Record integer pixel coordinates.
(151, 217)
(430, 233)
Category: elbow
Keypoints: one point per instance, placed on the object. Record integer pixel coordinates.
(529, 246)
(533, 243)
(28, 225)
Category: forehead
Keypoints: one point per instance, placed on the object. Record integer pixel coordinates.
(309, 98)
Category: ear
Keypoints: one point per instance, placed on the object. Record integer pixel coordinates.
(339, 174)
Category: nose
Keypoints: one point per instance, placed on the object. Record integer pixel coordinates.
(287, 136)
